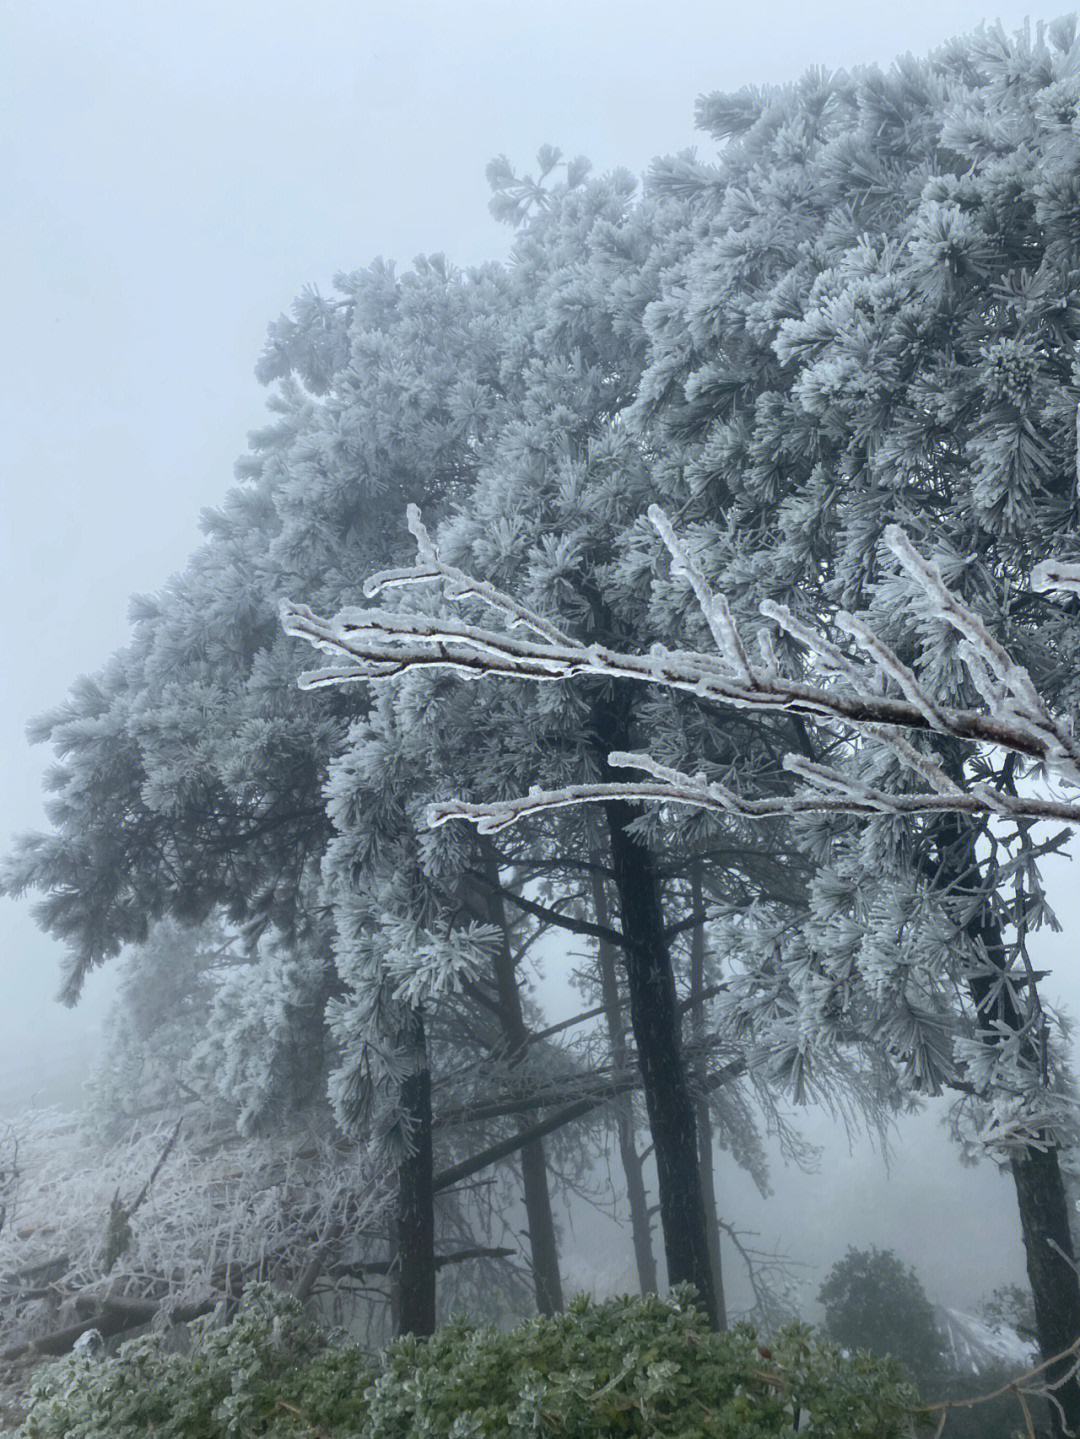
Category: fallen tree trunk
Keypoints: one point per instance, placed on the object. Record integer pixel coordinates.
(111, 1318)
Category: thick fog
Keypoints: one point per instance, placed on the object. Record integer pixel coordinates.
(173, 176)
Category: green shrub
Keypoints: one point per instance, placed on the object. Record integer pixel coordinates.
(234, 1381)
(624, 1368)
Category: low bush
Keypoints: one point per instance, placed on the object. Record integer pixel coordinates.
(626, 1367)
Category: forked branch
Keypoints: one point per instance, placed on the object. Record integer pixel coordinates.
(862, 694)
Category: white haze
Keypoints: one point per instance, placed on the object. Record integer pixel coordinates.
(173, 175)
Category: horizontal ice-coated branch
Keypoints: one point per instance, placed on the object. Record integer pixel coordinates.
(496, 815)
(378, 644)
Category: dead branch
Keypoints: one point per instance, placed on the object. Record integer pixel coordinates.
(145, 1190)
(1024, 1386)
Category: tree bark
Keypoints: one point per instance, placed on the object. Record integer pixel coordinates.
(654, 1015)
(414, 1290)
(632, 1162)
(1055, 1287)
(1040, 1186)
(701, 1102)
(543, 1244)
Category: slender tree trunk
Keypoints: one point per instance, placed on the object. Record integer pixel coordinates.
(1044, 1219)
(414, 1290)
(632, 1162)
(654, 1015)
(1040, 1186)
(701, 1101)
(534, 1169)
(543, 1244)
(1044, 1224)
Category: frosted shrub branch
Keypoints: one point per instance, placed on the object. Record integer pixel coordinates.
(216, 1212)
(373, 644)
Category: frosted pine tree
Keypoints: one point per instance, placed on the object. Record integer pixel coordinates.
(873, 325)
(880, 328)
(209, 767)
(192, 771)
(556, 511)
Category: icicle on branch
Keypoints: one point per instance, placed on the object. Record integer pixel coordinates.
(370, 644)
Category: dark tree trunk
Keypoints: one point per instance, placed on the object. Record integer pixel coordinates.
(1044, 1217)
(543, 1244)
(708, 1195)
(1044, 1224)
(534, 1169)
(414, 1237)
(655, 1019)
(1040, 1186)
(632, 1162)
(654, 1015)
(701, 1101)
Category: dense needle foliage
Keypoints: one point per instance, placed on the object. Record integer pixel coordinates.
(861, 313)
(627, 1367)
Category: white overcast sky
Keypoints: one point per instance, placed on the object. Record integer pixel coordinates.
(172, 174)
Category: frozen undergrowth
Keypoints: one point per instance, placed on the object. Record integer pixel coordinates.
(221, 1211)
(629, 1366)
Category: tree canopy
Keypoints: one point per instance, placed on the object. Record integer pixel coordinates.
(860, 314)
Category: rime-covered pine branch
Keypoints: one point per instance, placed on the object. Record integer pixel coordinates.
(457, 584)
(375, 644)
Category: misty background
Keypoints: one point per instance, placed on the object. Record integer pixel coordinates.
(172, 176)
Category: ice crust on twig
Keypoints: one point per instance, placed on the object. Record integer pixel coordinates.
(377, 644)
(457, 584)
(221, 1210)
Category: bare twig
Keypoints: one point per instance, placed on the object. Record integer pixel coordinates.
(1023, 1386)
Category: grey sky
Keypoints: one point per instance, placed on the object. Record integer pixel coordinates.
(173, 174)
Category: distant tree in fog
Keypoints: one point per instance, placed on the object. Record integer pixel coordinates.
(874, 1302)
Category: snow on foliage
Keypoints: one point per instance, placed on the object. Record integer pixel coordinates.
(1011, 1102)
(221, 1211)
(378, 644)
(973, 1345)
